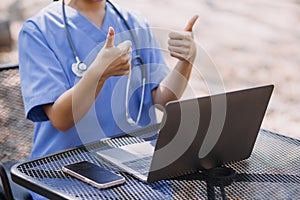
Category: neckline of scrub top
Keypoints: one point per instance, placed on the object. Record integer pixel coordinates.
(97, 34)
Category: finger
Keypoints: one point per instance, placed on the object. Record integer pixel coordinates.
(178, 50)
(125, 46)
(124, 59)
(122, 69)
(180, 35)
(177, 55)
(126, 67)
(178, 43)
(110, 38)
(189, 26)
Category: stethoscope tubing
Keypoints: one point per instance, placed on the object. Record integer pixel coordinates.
(79, 72)
(70, 41)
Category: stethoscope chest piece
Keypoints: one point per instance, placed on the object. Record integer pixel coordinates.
(79, 68)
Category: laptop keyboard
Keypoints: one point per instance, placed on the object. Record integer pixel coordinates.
(141, 165)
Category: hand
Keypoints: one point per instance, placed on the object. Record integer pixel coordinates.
(181, 44)
(115, 59)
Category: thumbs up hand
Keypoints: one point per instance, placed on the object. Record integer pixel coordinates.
(182, 44)
(113, 60)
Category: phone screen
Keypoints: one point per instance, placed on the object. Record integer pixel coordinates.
(93, 174)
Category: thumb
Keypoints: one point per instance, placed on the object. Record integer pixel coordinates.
(189, 26)
(110, 38)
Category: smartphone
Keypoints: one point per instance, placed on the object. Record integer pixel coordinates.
(93, 174)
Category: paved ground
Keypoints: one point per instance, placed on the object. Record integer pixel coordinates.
(252, 42)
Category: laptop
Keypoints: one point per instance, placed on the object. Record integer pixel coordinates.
(196, 134)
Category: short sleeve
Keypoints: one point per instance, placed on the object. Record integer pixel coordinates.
(42, 77)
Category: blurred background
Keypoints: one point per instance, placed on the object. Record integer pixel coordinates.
(251, 42)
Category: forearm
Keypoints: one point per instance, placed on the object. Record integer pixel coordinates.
(181, 46)
(72, 105)
(173, 86)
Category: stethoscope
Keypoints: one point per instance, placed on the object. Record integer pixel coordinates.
(79, 67)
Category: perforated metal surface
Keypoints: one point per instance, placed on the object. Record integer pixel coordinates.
(272, 172)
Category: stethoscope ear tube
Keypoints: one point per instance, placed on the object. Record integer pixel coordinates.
(79, 67)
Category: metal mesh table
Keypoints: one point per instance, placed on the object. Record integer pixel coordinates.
(271, 172)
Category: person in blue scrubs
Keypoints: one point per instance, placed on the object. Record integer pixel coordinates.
(68, 110)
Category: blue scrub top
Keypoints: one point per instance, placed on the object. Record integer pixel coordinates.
(45, 59)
